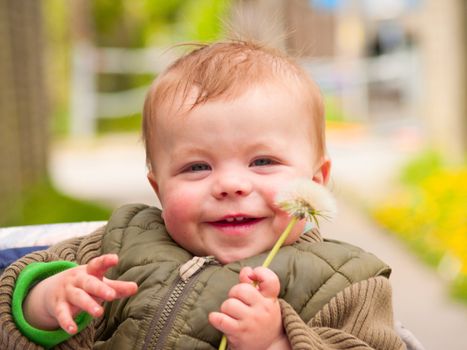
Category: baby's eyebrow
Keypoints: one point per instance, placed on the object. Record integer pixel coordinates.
(264, 146)
(192, 150)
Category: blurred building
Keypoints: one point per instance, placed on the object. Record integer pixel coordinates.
(377, 60)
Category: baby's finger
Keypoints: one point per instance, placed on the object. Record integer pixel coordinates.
(99, 266)
(97, 288)
(83, 301)
(64, 318)
(122, 288)
(247, 293)
(224, 323)
(268, 282)
(235, 308)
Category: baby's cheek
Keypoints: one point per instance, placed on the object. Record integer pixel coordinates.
(282, 220)
(296, 232)
(178, 209)
(269, 193)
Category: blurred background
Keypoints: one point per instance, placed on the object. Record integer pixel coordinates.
(393, 75)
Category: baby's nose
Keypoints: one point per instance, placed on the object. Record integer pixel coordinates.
(232, 186)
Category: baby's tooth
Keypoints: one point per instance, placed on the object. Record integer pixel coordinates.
(240, 218)
(229, 219)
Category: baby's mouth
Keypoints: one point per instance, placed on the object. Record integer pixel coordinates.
(236, 221)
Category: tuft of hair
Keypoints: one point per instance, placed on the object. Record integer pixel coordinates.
(225, 70)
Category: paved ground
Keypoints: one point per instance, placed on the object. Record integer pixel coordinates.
(112, 171)
(421, 300)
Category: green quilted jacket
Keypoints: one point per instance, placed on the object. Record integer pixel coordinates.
(177, 291)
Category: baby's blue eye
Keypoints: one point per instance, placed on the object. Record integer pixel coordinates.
(198, 167)
(262, 162)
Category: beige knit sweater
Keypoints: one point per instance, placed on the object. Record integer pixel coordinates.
(359, 317)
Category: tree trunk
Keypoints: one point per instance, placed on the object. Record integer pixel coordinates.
(23, 103)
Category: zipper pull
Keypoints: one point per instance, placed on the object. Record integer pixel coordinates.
(193, 265)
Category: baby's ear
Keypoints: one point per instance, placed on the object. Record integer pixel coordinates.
(153, 182)
(321, 175)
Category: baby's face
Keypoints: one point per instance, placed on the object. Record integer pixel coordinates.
(219, 167)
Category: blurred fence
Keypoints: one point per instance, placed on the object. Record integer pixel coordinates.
(88, 104)
(350, 81)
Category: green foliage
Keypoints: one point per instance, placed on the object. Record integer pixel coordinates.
(419, 169)
(459, 287)
(43, 204)
(115, 82)
(130, 123)
(57, 60)
(124, 23)
(114, 26)
(428, 213)
(201, 20)
(60, 123)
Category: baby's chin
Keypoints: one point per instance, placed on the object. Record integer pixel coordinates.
(227, 258)
(224, 260)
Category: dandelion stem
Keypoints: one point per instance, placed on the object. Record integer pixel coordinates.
(280, 241)
(267, 261)
(223, 344)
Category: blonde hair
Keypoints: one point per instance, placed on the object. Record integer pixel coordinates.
(225, 70)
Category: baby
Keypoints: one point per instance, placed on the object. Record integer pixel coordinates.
(225, 128)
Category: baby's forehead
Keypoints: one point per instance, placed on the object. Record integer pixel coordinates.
(182, 101)
(260, 116)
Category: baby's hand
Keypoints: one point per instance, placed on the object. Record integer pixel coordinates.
(251, 317)
(67, 293)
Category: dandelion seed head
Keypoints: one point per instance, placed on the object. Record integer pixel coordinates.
(306, 199)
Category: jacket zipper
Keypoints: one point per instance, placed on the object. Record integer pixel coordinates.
(165, 315)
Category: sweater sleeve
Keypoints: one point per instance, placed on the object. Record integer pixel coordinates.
(79, 250)
(360, 317)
